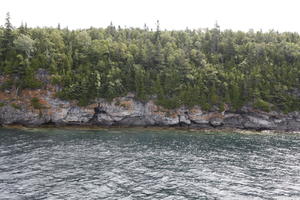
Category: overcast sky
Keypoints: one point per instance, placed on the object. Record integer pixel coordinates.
(281, 15)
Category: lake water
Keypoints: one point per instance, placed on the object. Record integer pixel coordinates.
(147, 164)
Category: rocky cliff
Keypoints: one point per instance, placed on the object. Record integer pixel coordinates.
(126, 111)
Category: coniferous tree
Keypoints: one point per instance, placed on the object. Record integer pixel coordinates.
(177, 68)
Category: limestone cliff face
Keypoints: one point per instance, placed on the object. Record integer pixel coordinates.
(126, 111)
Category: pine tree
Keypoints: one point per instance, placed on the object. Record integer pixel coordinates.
(8, 38)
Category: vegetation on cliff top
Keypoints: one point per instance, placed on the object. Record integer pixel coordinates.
(191, 67)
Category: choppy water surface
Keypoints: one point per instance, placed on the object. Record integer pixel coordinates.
(147, 164)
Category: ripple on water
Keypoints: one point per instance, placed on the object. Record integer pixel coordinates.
(145, 164)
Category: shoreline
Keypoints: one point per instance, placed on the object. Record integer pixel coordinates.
(127, 112)
(155, 128)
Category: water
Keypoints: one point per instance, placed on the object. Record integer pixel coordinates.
(147, 164)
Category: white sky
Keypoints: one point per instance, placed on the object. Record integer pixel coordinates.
(281, 15)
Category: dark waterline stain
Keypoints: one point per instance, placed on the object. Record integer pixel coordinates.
(147, 164)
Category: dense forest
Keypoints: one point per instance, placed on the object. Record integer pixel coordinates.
(206, 67)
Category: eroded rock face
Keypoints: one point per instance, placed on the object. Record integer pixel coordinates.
(216, 122)
(126, 111)
(78, 115)
(23, 116)
(233, 120)
(184, 119)
(251, 122)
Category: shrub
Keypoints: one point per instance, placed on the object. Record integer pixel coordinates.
(221, 107)
(32, 83)
(16, 106)
(168, 103)
(35, 102)
(7, 85)
(83, 102)
(56, 79)
(206, 106)
(262, 105)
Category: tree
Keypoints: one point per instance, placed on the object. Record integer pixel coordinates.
(180, 68)
(140, 82)
(157, 33)
(8, 33)
(23, 29)
(24, 44)
(7, 39)
(159, 89)
(213, 95)
(215, 38)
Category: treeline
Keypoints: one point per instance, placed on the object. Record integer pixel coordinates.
(210, 68)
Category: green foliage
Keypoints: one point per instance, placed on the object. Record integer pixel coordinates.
(206, 106)
(35, 102)
(29, 80)
(159, 89)
(168, 103)
(221, 107)
(262, 105)
(140, 82)
(24, 44)
(7, 85)
(7, 40)
(2, 104)
(213, 95)
(16, 106)
(177, 68)
(235, 96)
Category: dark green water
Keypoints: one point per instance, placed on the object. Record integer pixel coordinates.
(147, 164)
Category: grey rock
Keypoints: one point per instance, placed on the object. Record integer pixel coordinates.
(77, 115)
(215, 122)
(251, 122)
(104, 119)
(184, 119)
(11, 115)
(135, 121)
(233, 121)
(166, 121)
(126, 111)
